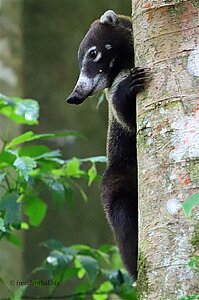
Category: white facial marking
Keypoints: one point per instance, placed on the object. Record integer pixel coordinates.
(99, 55)
(90, 49)
(108, 46)
(112, 63)
(86, 84)
(86, 54)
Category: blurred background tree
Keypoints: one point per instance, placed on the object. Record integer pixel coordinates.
(10, 84)
(46, 35)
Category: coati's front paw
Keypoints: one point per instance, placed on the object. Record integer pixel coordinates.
(138, 79)
(134, 83)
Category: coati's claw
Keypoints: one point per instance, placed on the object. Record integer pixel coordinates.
(139, 79)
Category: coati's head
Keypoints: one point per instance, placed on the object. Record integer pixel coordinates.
(105, 50)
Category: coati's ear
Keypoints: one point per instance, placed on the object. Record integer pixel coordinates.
(109, 17)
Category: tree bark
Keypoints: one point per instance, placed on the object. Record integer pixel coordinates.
(166, 39)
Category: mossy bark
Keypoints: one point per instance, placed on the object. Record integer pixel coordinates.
(166, 39)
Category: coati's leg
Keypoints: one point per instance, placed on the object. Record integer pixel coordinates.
(119, 183)
(119, 194)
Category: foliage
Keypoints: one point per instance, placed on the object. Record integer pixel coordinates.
(190, 203)
(26, 171)
(88, 268)
(21, 111)
(196, 297)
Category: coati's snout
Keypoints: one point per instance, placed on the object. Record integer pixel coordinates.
(85, 87)
(75, 98)
(80, 92)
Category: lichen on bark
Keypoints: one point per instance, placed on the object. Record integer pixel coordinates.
(142, 280)
(195, 238)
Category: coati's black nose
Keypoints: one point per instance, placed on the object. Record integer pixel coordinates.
(75, 98)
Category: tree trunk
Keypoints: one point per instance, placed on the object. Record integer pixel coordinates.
(166, 39)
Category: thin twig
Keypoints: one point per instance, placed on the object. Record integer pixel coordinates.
(8, 183)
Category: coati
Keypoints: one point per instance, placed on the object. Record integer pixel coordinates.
(106, 59)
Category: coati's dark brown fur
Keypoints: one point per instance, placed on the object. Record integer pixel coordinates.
(106, 60)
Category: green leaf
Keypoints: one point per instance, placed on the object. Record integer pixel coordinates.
(69, 274)
(58, 258)
(116, 260)
(27, 137)
(90, 265)
(108, 248)
(13, 239)
(95, 159)
(128, 294)
(92, 174)
(19, 293)
(82, 247)
(2, 225)
(58, 192)
(103, 291)
(6, 158)
(11, 209)
(24, 226)
(84, 250)
(50, 154)
(35, 209)
(191, 297)
(101, 99)
(57, 188)
(73, 168)
(70, 251)
(30, 136)
(25, 165)
(194, 263)
(100, 297)
(33, 151)
(21, 111)
(83, 288)
(190, 203)
(29, 109)
(115, 277)
(81, 270)
(52, 244)
(105, 287)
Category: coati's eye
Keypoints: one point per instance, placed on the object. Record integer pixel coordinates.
(93, 54)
